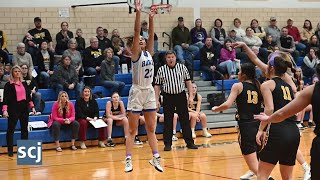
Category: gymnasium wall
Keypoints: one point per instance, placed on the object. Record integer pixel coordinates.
(16, 17)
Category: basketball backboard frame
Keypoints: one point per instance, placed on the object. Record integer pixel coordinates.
(162, 6)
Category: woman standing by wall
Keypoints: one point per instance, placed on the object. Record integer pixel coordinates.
(15, 106)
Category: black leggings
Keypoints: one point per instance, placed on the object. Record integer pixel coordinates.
(315, 158)
(56, 128)
(21, 112)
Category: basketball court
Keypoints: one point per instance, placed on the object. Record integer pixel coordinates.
(218, 157)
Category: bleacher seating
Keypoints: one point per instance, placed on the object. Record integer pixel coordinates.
(49, 96)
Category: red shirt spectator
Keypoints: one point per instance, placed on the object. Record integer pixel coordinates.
(293, 30)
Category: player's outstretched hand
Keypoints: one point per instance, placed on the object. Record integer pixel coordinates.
(261, 117)
(238, 44)
(138, 5)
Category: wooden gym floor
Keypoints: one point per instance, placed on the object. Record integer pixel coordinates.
(217, 158)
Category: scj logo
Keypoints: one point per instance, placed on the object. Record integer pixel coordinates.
(29, 152)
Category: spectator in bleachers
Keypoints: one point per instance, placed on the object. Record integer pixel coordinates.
(117, 47)
(218, 33)
(270, 45)
(258, 30)
(142, 121)
(310, 62)
(301, 114)
(198, 34)
(294, 32)
(3, 41)
(115, 33)
(63, 114)
(233, 36)
(115, 111)
(103, 42)
(16, 103)
(160, 118)
(76, 58)
(251, 40)
(87, 110)
(209, 59)
(273, 30)
(33, 87)
(237, 27)
(127, 53)
(297, 78)
(228, 59)
(45, 65)
(307, 32)
(93, 56)
(62, 38)
(7, 69)
(65, 77)
(80, 41)
(196, 115)
(38, 34)
(286, 43)
(22, 57)
(313, 43)
(181, 40)
(144, 33)
(4, 57)
(105, 33)
(3, 78)
(317, 31)
(107, 73)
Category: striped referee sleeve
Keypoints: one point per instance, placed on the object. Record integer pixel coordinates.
(186, 73)
(159, 77)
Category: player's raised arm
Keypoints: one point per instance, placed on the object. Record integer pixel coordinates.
(136, 49)
(150, 44)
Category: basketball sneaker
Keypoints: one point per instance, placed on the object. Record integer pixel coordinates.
(174, 138)
(206, 134)
(128, 165)
(155, 161)
(83, 145)
(137, 141)
(110, 143)
(306, 174)
(248, 175)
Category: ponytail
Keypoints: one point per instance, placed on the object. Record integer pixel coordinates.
(258, 86)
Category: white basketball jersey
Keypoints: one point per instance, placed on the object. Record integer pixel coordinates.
(142, 70)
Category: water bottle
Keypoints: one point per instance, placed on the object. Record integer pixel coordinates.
(119, 69)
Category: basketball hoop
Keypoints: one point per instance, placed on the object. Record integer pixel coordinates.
(161, 8)
(157, 6)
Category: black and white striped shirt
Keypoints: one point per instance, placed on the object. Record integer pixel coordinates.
(172, 79)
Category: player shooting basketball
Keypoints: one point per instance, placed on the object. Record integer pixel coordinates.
(142, 94)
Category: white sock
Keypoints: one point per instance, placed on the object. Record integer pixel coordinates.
(156, 155)
(204, 129)
(305, 166)
(174, 131)
(310, 120)
(192, 129)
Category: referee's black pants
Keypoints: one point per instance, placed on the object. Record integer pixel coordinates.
(176, 103)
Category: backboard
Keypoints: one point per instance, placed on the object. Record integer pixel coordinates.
(163, 6)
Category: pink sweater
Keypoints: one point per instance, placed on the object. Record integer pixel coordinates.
(227, 55)
(56, 116)
(21, 94)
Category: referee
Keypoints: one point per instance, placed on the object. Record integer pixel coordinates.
(173, 76)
